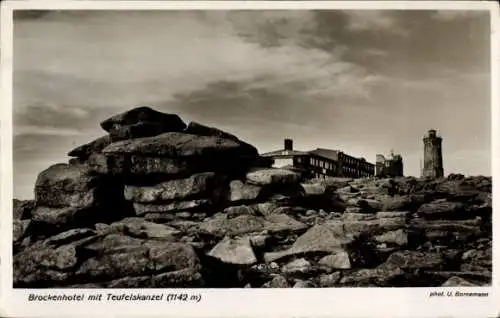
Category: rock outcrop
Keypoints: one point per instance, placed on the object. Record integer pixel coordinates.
(158, 203)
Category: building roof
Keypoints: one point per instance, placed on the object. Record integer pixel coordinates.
(284, 153)
(326, 153)
(320, 152)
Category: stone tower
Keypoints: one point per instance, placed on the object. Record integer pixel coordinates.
(433, 156)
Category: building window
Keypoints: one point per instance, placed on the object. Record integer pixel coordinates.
(299, 160)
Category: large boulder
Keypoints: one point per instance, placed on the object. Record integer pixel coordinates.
(272, 177)
(174, 154)
(198, 185)
(96, 146)
(243, 192)
(63, 185)
(49, 220)
(138, 130)
(319, 238)
(202, 130)
(175, 144)
(440, 209)
(365, 227)
(446, 231)
(457, 189)
(147, 117)
(43, 266)
(150, 257)
(139, 166)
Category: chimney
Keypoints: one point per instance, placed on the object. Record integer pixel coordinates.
(288, 144)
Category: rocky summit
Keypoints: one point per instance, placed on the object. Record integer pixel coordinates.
(159, 203)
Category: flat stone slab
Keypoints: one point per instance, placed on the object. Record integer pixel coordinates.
(151, 257)
(337, 260)
(369, 227)
(442, 209)
(319, 238)
(234, 251)
(138, 227)
(70, 236)
(272, 176)
(222, 225)
(175, 206)
(176, 144)
(239, 191)
(179, 189)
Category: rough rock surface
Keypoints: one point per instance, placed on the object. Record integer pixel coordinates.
(175, 144)
(156, 204)
(146, 116)
(96, 146)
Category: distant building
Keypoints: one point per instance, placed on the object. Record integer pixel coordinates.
(320, 163)
(433, 156)
(389, 167)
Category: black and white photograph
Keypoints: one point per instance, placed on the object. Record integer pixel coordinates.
(251, 149)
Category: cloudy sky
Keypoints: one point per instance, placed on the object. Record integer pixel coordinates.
(365, 82)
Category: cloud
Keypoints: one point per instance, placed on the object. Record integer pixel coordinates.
(45, 130)
(361, 81)
(273, 28)
(123, 60)
(373, 20)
